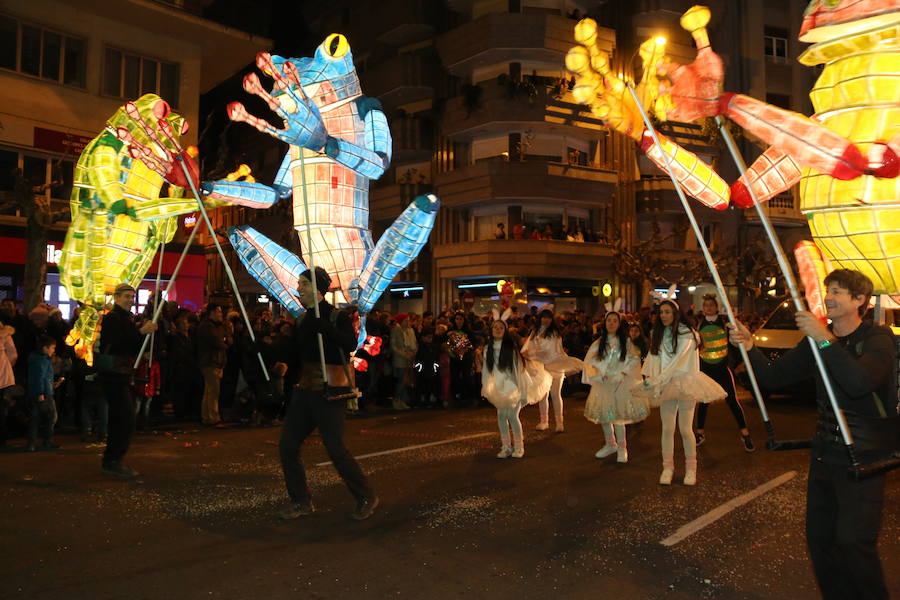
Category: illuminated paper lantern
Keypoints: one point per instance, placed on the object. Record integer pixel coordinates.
(846, 157)
(119, 218)
(344, 142)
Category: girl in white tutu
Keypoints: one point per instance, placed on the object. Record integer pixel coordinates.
(612, 367)
(544, 345)
(674, 383)
(509, 383)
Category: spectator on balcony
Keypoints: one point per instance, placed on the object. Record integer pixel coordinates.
(535, 234)
(500, 232)
(589, 235)
(518, 231)
(577, 235)
(547, 233)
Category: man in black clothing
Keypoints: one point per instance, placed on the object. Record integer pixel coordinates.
(120, 341)
(843, 516)
(310, 407)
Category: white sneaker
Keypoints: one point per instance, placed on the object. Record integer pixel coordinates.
(605, 451)
(622, 455)
(690, 477)
(505, 452)
(665, 477)
(518, 453)
(542, 427)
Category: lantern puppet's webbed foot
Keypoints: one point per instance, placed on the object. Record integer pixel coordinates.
(399, 245)
(276, 268)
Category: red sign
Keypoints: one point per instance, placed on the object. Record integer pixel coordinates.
(468, 299)
(59, 141)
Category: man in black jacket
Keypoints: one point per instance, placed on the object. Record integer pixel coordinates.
(310, 407)
(843, 516)
(120, 339)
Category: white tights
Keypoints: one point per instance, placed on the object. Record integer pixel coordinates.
(508, 418)
(684, 409)
(615, 439)
(556, 394)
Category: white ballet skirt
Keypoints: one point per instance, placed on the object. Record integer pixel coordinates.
(528, 383)
(610, 400)
(671, 376)
(549, 352)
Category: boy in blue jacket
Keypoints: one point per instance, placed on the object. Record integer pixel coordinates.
(40, 393)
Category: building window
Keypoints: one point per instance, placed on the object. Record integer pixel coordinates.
(130, 76)
(45, 174)
(776, 45)
(43, 53)
(779, 100)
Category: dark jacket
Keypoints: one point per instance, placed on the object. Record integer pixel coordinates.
(212, 342)
(338, 337)
(40, 375)
(119, 336)
(862, 367)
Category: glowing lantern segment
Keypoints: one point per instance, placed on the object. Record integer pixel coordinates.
(119, 219)
(343, 140)
(846, 157)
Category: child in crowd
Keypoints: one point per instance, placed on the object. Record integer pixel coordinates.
(427, 365)
(40, 393)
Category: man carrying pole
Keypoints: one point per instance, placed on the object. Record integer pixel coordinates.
(314, 403)
(843, 515)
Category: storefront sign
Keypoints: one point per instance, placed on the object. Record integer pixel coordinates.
(59, 141)
(53, 254)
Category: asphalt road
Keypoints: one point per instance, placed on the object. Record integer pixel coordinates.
(455, 522)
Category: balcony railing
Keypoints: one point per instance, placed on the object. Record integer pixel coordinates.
(407, 77)
(492, 107)
(502, 37)
(524, 258)
(405, 21)
(532, 181)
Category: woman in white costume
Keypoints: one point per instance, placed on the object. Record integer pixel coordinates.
(544, 345)
(674, 383)
(612, 367)
(508, 383)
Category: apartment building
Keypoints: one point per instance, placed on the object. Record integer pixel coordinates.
(65, 67)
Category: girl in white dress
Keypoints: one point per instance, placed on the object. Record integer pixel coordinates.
(508, 383)
(612, 367)
(544, 345)
(674, 383)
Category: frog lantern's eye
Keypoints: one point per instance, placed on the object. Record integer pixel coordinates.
(336, 45)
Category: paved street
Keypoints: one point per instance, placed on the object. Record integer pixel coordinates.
(455, 522)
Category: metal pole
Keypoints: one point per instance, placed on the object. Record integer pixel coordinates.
(792, 286)
(225, 264)
(710, 263)
(158, 309)
(156, 300)
(312, 264)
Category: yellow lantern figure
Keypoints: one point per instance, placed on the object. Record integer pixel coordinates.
(119, 219)
(846, 156)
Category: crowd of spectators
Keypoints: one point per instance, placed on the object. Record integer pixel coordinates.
(205, 367)
(525, 231)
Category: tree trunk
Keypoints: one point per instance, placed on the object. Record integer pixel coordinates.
(35, 263)
(36, 208)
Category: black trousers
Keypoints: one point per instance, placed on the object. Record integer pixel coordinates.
(725, 378)
(120, 426)
(307, 411)
(843, 518)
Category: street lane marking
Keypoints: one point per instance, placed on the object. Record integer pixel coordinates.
(416, 447)
(722, 510)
